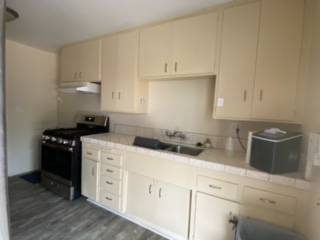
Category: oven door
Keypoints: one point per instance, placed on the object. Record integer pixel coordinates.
(57, 160)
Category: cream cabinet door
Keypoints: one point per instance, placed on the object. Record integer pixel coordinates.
(140, 197)
(194, 44)
(90, 64)
(127, 70)
(235, 80)
(89, 178)
(81, 62)
(278, 60)
(109, 73)
(156, 51)
(172, 208)
(69, 64)
(212, 218)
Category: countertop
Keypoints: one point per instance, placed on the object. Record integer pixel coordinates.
(213, 159)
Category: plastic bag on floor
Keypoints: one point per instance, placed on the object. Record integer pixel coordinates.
(251, 229)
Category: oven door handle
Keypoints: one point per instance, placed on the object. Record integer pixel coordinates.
(64, 148)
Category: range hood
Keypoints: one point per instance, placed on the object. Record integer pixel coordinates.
(82, 87)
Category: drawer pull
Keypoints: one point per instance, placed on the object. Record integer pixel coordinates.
(160, 191)
(109, 171)
(110, 183)
(89, 153)
(109, 158)
(109, 199)
(150, 186)
(215, 187)
(265, 200)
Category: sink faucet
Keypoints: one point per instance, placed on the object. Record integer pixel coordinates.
(177, 134)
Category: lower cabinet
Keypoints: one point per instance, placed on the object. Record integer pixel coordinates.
(158, 203)
(89, 178)
(212, 218)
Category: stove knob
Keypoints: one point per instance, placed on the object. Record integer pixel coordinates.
(60, 140)
(45, 137)
(73, 143)
(65, 142)
(53, 139)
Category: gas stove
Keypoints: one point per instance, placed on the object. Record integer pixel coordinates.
(61, 155)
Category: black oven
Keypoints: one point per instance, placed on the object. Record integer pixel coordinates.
(61, 167)
(61, 155)
(57, 160)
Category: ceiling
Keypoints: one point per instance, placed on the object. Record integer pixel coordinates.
(50, 24)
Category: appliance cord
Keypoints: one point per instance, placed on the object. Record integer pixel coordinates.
(239, 139)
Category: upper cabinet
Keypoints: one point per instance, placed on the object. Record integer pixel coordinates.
(235, 79)
(121, 89)
(81, 62)
(260, 61)
(185, 47)
(278, 62)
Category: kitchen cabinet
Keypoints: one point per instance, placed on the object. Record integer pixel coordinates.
(121, 90)
(259, 61)
(236, 74)
(81, 62)
(185, 47)
(89, 178)
(156, 51)
(279, 50)
(158, 203)
(212, 218)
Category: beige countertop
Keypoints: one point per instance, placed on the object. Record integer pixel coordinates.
(214, 159)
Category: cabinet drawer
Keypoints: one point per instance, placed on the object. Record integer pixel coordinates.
(110, 200)
(110, 185)
(218, 188)
(91, 153)
(110, 158)
(269, 200)
(111, 171)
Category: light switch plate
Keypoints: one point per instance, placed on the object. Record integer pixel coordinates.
(220, 102)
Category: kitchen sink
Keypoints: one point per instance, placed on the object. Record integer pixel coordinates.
(184, 150)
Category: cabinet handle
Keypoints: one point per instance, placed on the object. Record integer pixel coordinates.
(110, 183)
(112, 95)
(110, 171)
(176, 66)
(215, 187)
(245, 95)
(150, 186)
(92, 172)
(109, 158)
(109, 199)
(119, 95)
(89, 153)
(166, 67)
(265, 200)
(261, 95)
(80, 74)
(160, 191)
(75, 75)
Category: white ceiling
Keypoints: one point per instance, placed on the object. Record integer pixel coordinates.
(50, 24)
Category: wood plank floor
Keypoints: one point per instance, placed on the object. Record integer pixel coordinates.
(37, 214)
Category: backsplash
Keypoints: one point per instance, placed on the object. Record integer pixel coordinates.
(220, 142)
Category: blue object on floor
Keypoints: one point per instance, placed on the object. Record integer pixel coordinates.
(33, 177)
(250, 229)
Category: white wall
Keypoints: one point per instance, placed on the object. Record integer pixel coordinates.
(31, 103)
(183, 104)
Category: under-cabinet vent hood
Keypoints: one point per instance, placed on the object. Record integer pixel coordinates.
(82, 87)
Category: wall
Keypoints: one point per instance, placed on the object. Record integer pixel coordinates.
(311, 121)
(31, 103)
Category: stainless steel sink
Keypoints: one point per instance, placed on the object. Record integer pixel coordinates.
(184, 150)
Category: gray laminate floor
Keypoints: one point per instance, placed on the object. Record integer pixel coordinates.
(37, 214)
